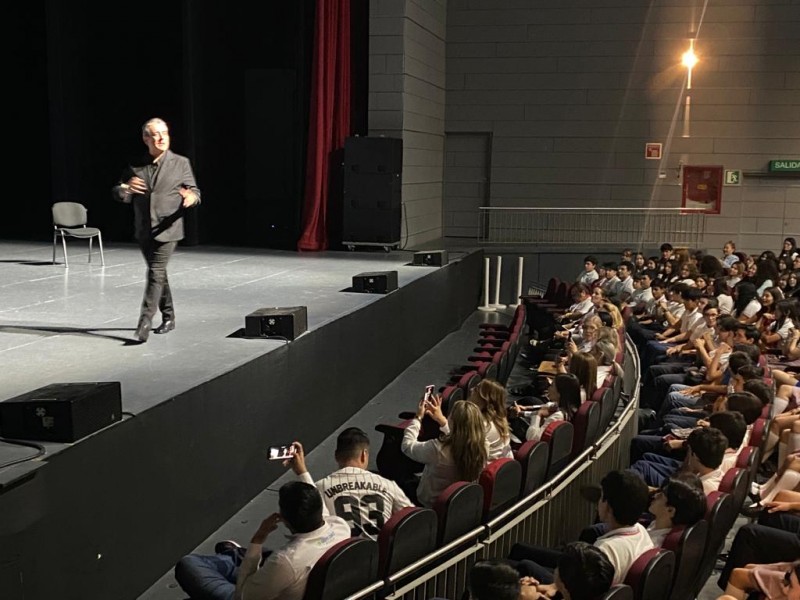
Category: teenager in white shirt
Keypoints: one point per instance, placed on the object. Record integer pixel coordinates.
(680, 501)
(623, 499)
(459, 456)
(589, 274)
(745, 302)
(625, 287)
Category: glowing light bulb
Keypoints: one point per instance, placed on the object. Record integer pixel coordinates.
(689, 58)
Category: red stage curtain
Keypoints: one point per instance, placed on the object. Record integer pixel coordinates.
(329, 118)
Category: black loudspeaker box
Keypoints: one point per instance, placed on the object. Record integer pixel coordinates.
(379, 282)
(372, 179)
(431, 258)
(62, 412)
(288, 322)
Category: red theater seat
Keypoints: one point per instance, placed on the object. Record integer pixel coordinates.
(459, 509)
(347, 567)
(650, 576)
(533, 458)
(558, 436)
(500, 481)
(408, 536)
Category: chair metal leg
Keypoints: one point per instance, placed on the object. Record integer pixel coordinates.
(90, 250)
(100, 242)
(64, 243)
(54, 246)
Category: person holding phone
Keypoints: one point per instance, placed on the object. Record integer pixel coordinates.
(364, 499)
(459, 455)
(161, 187)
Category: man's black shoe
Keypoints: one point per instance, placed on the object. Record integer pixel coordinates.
(165, 327)
(143, 330)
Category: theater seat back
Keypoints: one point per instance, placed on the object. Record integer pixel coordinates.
(459, 509)
(650, 576)
(406, 537)
(344, 569)
(500, 481)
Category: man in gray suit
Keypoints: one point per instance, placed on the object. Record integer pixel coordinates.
(161, 187)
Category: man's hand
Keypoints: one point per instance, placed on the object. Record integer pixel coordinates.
(548, 591)
(298, 461)
(267, 526)
(673, 350)
(136, 185)
(189, 197)
(695, 390)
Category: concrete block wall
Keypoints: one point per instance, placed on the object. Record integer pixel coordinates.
(407, 100)
(569, 92)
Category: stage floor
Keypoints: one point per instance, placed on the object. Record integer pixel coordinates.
(76, 324)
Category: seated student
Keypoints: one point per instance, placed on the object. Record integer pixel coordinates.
(564, 396)
(284, 572)
(362, 498)
(624, 497)
(745, 302)
(705, 449)
(612, 281)
(493, 580)
(460, 455)
(624, 289)
(642, 294)
(589, 274)
(786, 320)
(583, 572)
(680, 501)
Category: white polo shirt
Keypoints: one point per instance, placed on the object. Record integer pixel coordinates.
(623, 546)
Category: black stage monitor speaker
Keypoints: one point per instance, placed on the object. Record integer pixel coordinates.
(288, 322)
(431, 258)
(62, 412)
(379, 282)
(372, 205)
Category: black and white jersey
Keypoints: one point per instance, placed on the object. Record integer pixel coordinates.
(364, 499)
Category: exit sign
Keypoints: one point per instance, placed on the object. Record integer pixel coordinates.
(784, 165)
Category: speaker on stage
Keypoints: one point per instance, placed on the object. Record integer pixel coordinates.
(430, 258)
(372, 207)
(62, 412)
(287, 322)
(379, 282)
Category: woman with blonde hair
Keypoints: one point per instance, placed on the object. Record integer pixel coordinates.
(616, 316)
(584, 366)
(490, 398)
(605, 352)
(459, 455)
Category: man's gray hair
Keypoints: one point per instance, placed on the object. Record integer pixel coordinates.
(155, 121)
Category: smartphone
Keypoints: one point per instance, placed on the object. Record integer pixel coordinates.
(281, 452)
(429, 389)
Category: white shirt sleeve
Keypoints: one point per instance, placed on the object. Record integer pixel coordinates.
(424, 452)
(538, 425)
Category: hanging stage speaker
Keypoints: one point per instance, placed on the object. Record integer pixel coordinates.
(379, 282)
(288, 322)
(430, 258)
(372, 182)
(62, 412)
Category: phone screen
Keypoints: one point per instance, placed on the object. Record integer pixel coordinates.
(281, 452)
(429, 391)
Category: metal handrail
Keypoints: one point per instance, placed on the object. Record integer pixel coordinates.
(571, 226)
